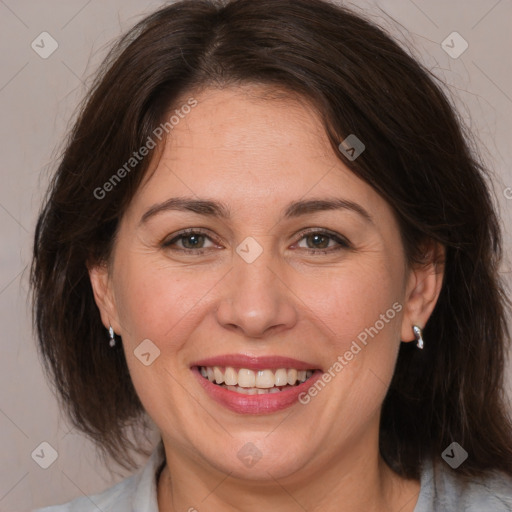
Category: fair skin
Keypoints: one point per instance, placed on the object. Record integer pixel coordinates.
(255, 156)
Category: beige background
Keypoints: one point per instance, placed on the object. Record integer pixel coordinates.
(37, 99)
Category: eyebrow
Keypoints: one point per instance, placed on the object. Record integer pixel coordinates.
(220, 210)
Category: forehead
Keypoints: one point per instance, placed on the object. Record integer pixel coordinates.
(251, 143)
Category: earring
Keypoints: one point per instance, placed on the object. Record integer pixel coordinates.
(112, 334)
(418, 334)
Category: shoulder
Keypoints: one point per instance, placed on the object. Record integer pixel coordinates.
(137, 492)
(442, 489)
(120, 496)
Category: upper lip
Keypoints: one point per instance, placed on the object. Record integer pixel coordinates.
(255, 362)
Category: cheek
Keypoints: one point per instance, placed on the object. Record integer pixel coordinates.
(358, 302)
(159, 301)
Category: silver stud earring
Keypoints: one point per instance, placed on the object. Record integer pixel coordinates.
(112, 338)
(418, 334)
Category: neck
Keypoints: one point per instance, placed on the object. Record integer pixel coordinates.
(357, 480)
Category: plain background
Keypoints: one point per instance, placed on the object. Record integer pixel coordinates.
(38, 98)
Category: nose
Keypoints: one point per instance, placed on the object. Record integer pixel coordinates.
(256, 300)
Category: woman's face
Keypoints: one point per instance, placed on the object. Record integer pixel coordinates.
(268, 280)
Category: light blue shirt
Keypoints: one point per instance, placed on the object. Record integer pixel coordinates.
(441, 491)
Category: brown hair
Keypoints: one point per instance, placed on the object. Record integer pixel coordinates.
(417, 157)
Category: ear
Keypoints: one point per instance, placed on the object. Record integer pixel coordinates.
(423, 287)
(103, 295)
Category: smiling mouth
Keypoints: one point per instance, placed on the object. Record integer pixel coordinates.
(255, 382)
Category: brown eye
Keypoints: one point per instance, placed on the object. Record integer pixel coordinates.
(317, 241)
(323, 242)
(192, 241)
(189, 241)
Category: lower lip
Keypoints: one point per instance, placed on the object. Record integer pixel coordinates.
(255, 404)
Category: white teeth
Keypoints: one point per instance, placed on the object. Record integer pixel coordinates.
(251, 391)
(265, 379)
(230, 376)
(281, 377)
(260, 380)
(219, 376)
(246, 378)
(292, 377)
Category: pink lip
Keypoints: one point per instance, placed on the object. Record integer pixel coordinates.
(255, 362)
(255, 404)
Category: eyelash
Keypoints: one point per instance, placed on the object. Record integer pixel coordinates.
(343, 242)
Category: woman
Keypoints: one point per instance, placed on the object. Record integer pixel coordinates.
(269, 236)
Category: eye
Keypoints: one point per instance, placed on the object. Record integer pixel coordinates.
(323, 242)
(191, 240)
